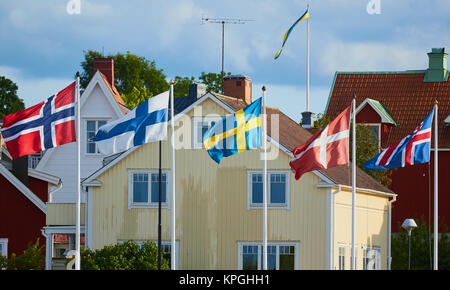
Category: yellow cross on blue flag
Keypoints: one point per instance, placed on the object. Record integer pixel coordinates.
(286, 35)
(235, 133)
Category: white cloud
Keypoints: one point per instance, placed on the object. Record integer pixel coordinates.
(33, 90)
(370, 56)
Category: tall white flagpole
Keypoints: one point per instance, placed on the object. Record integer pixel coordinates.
(265, 181)
(173, 229)
(436, 234)
(77, 230)
(307, 61)
(352, 262)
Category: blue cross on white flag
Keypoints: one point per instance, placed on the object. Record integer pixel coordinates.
(146, 123)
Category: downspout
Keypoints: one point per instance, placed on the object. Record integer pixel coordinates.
(51, 192)
(334, 222)
(389, 258)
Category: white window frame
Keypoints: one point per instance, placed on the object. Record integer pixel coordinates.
(251, 205)
(96, 120)
(149, 204)
(4, 243)
(163, 243)
(201, 120)
(342, 246)
(377, 257)
(260, 248)
(379, 132)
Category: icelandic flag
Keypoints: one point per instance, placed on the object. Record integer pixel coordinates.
(146, 123)
(411, 150)
(46, 125)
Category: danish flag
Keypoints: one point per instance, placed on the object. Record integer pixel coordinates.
(327, 148)
(413, 149)
(46, 125)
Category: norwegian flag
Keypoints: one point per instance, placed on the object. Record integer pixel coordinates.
(327, 148)
(46, 125)
(413, 149)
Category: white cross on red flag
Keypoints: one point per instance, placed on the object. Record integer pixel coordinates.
(327, 148)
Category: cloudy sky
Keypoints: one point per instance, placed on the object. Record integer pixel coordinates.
(42, 44)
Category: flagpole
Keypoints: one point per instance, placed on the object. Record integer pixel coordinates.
(159, 207)
(436, 234)
(173, 229)
(77, 227)
(265, 182)
(307, 61)
(352, 262)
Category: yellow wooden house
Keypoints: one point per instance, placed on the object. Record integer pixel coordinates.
(219, 207)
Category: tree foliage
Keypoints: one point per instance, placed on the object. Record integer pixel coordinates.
(421, 248)
(135, 77)
(9, 101)
(123, 256)
(32, 258)
(366, 148)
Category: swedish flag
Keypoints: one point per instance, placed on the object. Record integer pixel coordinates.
(236, 133)
(286, 35)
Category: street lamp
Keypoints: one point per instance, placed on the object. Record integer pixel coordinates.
(409, 225)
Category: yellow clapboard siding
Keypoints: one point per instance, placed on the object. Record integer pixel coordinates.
(211, 206)
(63, 214)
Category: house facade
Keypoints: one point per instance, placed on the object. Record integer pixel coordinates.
(23, 196)
(393, 104)
(219, 207)
(100, 103)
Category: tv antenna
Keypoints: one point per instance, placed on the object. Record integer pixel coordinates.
(224, 21)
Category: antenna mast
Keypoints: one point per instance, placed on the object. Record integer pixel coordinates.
(223, 21)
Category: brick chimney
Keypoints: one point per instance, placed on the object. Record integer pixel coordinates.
(106, 67)
(238, 86)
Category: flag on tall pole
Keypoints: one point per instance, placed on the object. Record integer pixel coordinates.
(43, 126)
(325, 149)
(288, 32)
(146, 123)
(235, 133)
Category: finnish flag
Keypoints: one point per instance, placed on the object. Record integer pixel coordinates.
(146, 123)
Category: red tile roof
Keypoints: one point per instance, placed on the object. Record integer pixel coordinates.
(123, 107)
(404, 94)
(291, 135)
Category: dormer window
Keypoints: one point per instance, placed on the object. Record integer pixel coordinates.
(375, 129)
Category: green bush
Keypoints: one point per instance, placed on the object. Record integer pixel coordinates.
(125, 256)
(421, 248)
(33, 258)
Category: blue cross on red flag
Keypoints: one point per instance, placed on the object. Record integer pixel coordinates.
(46, 125)
(411, 150)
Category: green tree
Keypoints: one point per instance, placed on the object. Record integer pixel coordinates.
(9, 101)
(213, 81)
(181, 86)
(135, 77)
(421, 248)
(123, 256)
(33, 258)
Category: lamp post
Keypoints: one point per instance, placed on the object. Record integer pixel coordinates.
(409, 225)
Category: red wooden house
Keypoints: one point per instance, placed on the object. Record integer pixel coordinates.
(23, 196)
(393, 104)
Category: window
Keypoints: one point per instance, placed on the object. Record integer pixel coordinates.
(341, 265)
(375, 130)
(200, 128)
(371, 258)
(143, 188)
(166, 249)
(91, 130)
(280, 256)
(4, 247)
(277, 189)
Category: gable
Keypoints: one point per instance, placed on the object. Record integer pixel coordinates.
(368, 115)
(96, 100)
